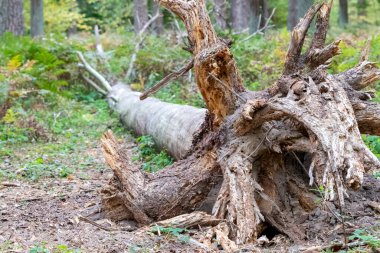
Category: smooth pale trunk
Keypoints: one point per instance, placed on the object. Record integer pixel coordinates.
(171, 126)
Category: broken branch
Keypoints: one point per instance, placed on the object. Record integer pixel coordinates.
(167, 79)
(94, 73)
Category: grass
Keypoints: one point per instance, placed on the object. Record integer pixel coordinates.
(72, 129)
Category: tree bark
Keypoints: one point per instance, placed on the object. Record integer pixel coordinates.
(343, 13)
(37, 18)
(11, 17)
(263, 151)
(140, 14)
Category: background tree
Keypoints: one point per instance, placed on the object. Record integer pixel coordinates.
(37, 18)
(11, 17)
(343, 13)
(259, 15)
(140, 14)
(240, 14)
(296, 10)
(158, 25)
(220, 13)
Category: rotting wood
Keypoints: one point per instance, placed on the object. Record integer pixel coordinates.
(243, 145)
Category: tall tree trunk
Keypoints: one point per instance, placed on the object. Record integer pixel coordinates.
(263, 151)
(158, 25)
(220, 8)
(292, 14)
(343, 13)
(140, 14)
(259, 15)
(296, 10)
(37, 18)
(240, 14)
(255, 16)
(11, 17)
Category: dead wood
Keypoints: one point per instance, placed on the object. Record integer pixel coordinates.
(264, 152)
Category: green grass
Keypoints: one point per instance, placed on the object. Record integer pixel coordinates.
(73, 127)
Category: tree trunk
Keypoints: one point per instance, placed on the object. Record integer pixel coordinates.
(292, 14)
(296, 10)
(11, 17)
(140, 14)
(37, 18)
(263, 152)
(343, 13)
(158, 25)
(220, 13)
(240, 15)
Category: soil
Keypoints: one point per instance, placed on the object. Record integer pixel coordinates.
(49, 213)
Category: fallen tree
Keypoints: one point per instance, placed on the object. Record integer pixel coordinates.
(266, 152)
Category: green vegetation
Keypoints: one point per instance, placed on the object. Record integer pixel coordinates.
(41, 248)
(368, 240)
(177, 233)
(52, 114)
(152, 157)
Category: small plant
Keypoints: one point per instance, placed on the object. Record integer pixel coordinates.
(370, 238)
(148, 152)
(171, 231)
(39, 249)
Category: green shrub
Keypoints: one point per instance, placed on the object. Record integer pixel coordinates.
(153, 159)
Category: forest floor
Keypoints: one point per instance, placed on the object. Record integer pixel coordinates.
(50, 189)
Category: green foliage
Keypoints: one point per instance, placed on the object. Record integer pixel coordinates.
(350, 54)
(112, 15)
(59, 16)
(373, 142)
(41, 248)
(48, 64)
(75, 125)
(369, 237)
(153, 158)
(171, 231)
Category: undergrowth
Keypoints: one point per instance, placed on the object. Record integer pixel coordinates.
(49, 114)
(152, 157)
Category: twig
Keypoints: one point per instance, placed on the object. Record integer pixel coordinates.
(141, 38)
(95, 224)
(93, 84)
(320, 248)
(266, 26)
(9, 184)
(94, 73)
(226, 86)
(167, 79)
